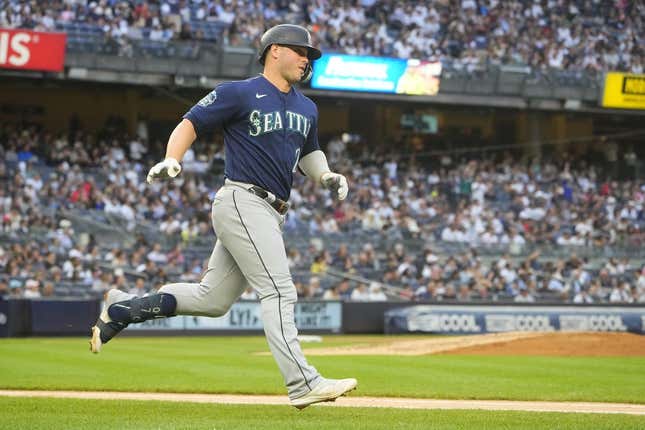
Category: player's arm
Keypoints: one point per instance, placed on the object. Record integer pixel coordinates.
(180, 140)
(315, 166)
(210, 112)
(313, 163)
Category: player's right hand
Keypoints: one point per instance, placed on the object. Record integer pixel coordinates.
(337, 183)
(168, 168)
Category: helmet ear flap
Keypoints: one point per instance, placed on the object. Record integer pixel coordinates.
(306, 75)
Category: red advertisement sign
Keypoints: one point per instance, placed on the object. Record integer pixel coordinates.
(32, 50)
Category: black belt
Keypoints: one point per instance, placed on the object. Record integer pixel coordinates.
(279, 205)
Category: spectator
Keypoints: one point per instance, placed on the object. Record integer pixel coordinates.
(583, 297)
(319, 264)
(139, 289)
(376, 293)
(156, 255)
(621, 293)
(32, 290)
(360, 294)
(48, 290)
(313, 289)
(524, 296)
(15, 289)
(331, 293)
(464, 294)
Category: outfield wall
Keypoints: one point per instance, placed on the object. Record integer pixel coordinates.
(496, 319)
(67, 317)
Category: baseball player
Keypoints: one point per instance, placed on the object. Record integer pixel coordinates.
(270, 130)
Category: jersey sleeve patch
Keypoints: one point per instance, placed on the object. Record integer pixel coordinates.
(208, 99)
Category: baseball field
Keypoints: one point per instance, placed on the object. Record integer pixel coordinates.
(231, 382)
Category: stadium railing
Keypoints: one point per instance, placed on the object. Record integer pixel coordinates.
(214, 59)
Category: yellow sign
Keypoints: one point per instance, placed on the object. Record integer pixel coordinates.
(625, 91)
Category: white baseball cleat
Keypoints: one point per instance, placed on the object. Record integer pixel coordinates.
(326, 391)
(105, 323)
(95, 341)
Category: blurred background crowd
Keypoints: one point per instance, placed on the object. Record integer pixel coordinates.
(594, 36)
(78, 218)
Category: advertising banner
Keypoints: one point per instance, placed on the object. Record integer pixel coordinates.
(623, 90)
(248, 316)
(376, 74)
(495, 319)
(32, 50)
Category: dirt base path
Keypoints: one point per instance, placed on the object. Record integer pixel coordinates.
(350, 401)
(571, 344)
(563, 345)
(433, 345)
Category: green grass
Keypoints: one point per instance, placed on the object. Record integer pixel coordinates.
(229, 365)
(52, 414)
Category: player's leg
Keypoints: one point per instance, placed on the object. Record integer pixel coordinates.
(220, 286)
(105, 328)
(250, 229)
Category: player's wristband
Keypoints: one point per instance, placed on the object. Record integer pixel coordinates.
(314, 165)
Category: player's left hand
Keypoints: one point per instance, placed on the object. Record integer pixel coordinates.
(335, 182)
(168, 168)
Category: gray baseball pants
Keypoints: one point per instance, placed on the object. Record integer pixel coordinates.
(250, 251)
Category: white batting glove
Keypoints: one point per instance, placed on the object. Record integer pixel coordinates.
(168, 168)
(335, 182)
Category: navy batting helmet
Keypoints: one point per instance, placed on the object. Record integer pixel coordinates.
(289, 34)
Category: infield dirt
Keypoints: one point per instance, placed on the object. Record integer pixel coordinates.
(516, 343)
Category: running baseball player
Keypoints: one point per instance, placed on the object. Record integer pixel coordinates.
(270, 130)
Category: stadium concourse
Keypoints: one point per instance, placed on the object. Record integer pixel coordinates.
(570, 35)
(78, 219)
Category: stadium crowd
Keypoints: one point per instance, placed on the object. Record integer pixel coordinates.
(558, 34)
(487, 229)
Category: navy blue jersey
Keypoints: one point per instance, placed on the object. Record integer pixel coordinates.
(266, 131)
